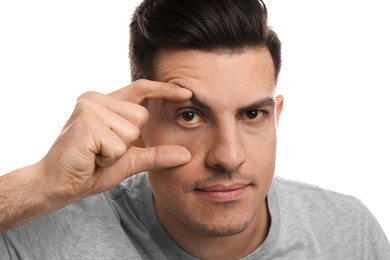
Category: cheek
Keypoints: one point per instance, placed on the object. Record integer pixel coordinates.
(161, 130)
(162, 184)
(261, 150)
(177, 179)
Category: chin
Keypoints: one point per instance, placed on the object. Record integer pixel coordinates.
(221, 224)
(222, 231)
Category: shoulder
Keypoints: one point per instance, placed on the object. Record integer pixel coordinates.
(319, 207)
(330, 221)
(310, 196)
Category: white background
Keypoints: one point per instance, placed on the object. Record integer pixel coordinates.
(334, 131)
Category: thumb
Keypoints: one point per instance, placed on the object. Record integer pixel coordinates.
(156, 158)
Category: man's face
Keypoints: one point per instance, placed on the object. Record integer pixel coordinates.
(229, 126)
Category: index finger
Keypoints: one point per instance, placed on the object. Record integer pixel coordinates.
(143, 89)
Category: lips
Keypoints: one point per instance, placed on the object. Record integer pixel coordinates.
(224, 193)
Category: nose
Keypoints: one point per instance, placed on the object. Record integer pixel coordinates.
(226, 150)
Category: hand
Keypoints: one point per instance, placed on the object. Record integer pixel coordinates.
(96, 149)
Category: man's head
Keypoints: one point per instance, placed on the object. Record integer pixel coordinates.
(210, 25)
(224, 53)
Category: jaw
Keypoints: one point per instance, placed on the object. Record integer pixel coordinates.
(221, 233)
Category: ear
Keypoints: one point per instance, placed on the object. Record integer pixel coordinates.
(279, 107)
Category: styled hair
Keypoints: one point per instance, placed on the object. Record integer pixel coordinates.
(210, 25)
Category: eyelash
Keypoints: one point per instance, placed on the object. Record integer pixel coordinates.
(185, 123)
(260, 115)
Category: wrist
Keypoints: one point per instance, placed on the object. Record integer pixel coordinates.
(50, 194)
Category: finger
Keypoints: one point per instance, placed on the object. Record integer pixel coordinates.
(139, 160)
(143, 89)
(102, 132)
(107, 145)
(111, 148)
(126, 130)
(136, 114)
(157, 158)
(99, 116)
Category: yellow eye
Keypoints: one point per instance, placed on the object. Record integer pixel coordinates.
(189, 119)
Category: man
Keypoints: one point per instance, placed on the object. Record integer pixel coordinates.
(200, 118)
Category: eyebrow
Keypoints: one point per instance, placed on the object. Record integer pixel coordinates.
(263, 103)
(199, 103)
(266, 102)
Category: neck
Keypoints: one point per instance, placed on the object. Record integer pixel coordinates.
(229, 247)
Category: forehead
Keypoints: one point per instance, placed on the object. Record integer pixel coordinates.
(218, 77)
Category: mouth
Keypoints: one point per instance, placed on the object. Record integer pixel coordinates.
(222, 193)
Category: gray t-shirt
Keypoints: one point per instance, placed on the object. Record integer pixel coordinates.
(307, 222)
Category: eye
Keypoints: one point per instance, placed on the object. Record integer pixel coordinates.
(253, 115)
(189, 119)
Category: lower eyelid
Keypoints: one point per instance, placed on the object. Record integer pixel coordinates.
(262, 114)
(188, 124)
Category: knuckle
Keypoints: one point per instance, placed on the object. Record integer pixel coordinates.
(142, 115)
(112, 150)
(133, 133)
(86, 112)
(119, 150)
(141, 86)
(140, 82)
(89, 95)
(84, 105)
(132, 162)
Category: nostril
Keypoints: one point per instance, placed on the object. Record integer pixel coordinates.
(219, 168)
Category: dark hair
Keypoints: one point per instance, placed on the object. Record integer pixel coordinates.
(212, 25)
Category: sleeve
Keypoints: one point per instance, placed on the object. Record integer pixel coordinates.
(375, 243)
(53, 236)
(5, 251)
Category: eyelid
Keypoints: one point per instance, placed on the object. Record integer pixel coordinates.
(180, 112)
(189, 109)
(262, 113)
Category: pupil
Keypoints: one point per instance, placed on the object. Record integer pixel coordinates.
(188, 116)
(252, 114)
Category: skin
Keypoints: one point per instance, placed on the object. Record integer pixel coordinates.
(209, 169)
(215, 206)
(95, 151)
